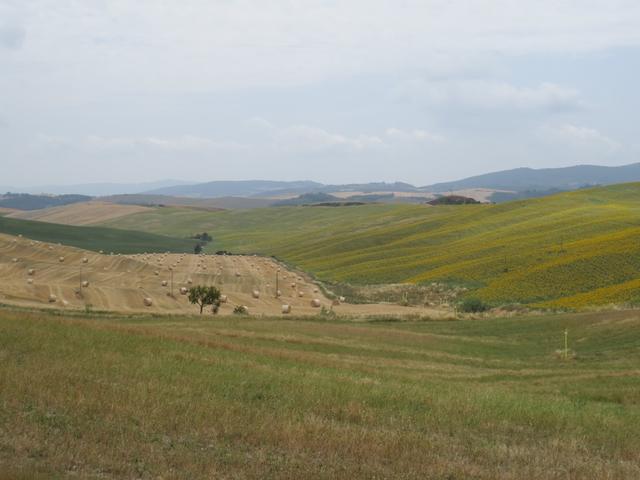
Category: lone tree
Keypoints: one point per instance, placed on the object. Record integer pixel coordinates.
(202, 296)
(197, 249)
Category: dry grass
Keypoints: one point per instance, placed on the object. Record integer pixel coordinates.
(120, 283)
(182, 397)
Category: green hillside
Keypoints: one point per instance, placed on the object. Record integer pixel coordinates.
(95, 238)
(571, 249)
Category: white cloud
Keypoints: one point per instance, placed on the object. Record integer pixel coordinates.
(414, 135)
(292, 139)
(102, 143)
(312, 139)
(489, 95)
(580, 137)
(202, 45)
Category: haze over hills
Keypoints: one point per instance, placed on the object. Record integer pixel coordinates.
(96, 189)
(240, 188)
(564, 178)
(515, 180)
(507, 184)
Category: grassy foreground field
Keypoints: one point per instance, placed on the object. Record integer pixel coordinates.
(185, 397)
(568, 250)
(95, 238)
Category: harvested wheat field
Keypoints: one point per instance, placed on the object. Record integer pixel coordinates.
(85, 213)
(37, 273)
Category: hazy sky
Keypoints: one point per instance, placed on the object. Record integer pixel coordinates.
(334, 91)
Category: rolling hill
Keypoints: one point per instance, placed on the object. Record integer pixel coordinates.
(572, 249)
(96, 238)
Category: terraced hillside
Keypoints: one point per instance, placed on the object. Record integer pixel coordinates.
(568, 250)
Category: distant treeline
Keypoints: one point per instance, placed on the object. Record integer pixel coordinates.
(26, 201)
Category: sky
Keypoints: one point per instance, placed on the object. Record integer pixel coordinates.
(420, 91)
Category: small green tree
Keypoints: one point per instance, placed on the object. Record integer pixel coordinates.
(197, 249)
(202, 296)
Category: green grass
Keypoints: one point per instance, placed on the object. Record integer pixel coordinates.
(185, 397)
(567, 250)
(96, 238)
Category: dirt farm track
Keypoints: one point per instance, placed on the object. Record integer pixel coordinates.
(40, 274)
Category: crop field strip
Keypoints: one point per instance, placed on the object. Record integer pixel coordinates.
(290, 398)
(95, 238)
(572, 249)
(84, 213)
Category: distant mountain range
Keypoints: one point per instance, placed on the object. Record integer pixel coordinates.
(523, 182)
(241, 188)
(96, 189)
(274, 189)
(509, 184)
(528, 179)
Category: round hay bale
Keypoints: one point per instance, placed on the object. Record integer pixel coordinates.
(255, 294)
(184, 291)
(223, 299)
(164, 283)
(237, 274)
(315, 290)
(315, 303)
(279, 293)
(156, 273)
(286, 308)
(31, 271)
(301, 294)
(101, 252)
(61, 259)
(14, 260)
(50, 247)
(85, 260)
(65, 303)
(30, 281)
(148, 302)
(342, 299)
(189, 281)
(293, 285)
(53, 298)
(85, 283)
